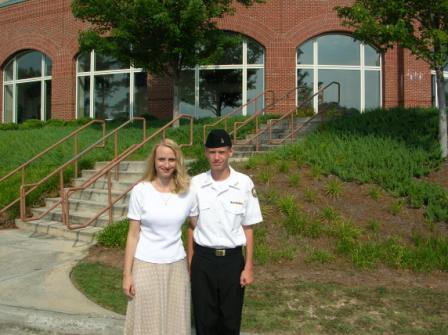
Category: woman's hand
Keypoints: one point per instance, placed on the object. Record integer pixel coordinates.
(128, 286)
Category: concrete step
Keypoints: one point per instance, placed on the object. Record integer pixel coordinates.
(99, 195)
(55, 228)
(77, 217)
(119, 209)
(123, 175)
(101, 184)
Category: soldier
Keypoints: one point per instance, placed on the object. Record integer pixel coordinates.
(228, 209)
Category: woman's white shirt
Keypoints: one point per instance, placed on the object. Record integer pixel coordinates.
(161, 216)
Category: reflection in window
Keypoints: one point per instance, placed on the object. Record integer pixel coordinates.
(107, 89)
(217, 89)
(354, 65)
(27, 87)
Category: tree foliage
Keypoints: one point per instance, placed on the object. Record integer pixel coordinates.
(161, 36)
(420, 26)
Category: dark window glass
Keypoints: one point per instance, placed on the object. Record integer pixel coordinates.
(29, 65)
(305, 53)
(254, 90)
(186, 92)
(372, 99)
(372, 57)
(140, 93)
(350, 87)
(83, 96)
(28, 101)
(104, 62)
(338, 50)
(8, 116)
(112, 96)
(255, 52)
(84, 62)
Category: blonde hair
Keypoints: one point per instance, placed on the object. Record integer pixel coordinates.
(181, 178)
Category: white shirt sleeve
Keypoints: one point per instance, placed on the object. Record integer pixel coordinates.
(253, 210)
(194, 211)
(135, 208)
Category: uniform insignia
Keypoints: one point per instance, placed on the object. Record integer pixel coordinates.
(236, 203)
(254, 192)
(222, 141)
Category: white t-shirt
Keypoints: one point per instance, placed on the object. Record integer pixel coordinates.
(161, 216)
(224, 208)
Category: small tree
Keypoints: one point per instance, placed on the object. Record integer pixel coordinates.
(420, 26)
(162, 36)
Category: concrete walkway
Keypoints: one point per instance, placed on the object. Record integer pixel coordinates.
(36, 294)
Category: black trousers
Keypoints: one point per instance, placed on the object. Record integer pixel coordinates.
(216, 291)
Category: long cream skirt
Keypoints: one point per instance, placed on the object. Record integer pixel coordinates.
(161, 305)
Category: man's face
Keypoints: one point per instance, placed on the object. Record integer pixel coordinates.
(218, 158)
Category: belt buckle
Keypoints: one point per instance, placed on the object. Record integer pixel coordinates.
(220, 252)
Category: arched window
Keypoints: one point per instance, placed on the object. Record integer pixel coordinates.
(216, 89)
(108, 89)
(355, 65)
(27, 87)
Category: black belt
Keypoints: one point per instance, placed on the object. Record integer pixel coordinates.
(220, 252)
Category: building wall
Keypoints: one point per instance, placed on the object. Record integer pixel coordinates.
(279, 25)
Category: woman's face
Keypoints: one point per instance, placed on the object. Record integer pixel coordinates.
(165, 162)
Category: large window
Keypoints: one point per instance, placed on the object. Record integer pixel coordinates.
(27, 87)
(215, 90)
(354, 65)
(108, 89)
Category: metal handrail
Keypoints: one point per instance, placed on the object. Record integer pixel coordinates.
(60, 170)
(289, 114)
(236, 110)
(22, 167)
(239, 124)
(106, 170)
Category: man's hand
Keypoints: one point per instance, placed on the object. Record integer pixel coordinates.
(247, 277)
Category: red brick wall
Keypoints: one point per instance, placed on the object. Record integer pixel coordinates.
(279, 25)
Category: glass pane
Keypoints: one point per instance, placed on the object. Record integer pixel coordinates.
(83, 97)
(338, 50)
(140, 94)
(372, 57)
(47, 99)
(305, 53)
(9, 71)
(372, 99)
(232, 55)
(350, 87)
(255, 52)
(105, 62)
(186, 93)
(48, 66)
(8, 116)
(305, 84)
(112, 96)
(254, 89)
(29, 65)
(28, 101)
(84, 62)
(219, 91)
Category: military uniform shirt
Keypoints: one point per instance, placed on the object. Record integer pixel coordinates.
(224, 208)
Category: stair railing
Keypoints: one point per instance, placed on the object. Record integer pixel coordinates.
(106, 171)
(237, 125)
(291, 114)
(255, 101)
(26, 189)
(22, 168)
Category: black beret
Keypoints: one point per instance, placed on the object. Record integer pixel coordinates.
(218, 138)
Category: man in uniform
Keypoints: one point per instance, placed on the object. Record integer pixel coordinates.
(228, 209)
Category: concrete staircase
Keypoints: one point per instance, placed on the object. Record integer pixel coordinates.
(85, 204)
(279, 131)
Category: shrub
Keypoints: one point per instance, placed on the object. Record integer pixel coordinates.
(114, 235)
(9, 126)
(32, 124)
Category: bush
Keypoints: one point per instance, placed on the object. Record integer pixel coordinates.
(114, 235)
(55, 123)
(32, 124)
(9, 126)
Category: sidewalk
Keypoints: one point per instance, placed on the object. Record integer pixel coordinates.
(36, 295)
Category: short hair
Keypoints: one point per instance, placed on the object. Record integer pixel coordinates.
(180, 175)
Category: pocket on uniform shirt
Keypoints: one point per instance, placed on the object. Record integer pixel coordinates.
(235, 207)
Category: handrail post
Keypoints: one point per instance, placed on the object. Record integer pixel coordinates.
(23, 176)
(109, 195)
(22, 203)
(76, 148)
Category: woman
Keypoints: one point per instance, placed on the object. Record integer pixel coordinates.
(155, 277)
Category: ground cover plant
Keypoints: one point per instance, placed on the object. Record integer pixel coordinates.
(346, 246)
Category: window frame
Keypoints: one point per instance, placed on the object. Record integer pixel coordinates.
(14, 82)
(362, 68)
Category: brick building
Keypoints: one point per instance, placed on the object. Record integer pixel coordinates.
(285, 43)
